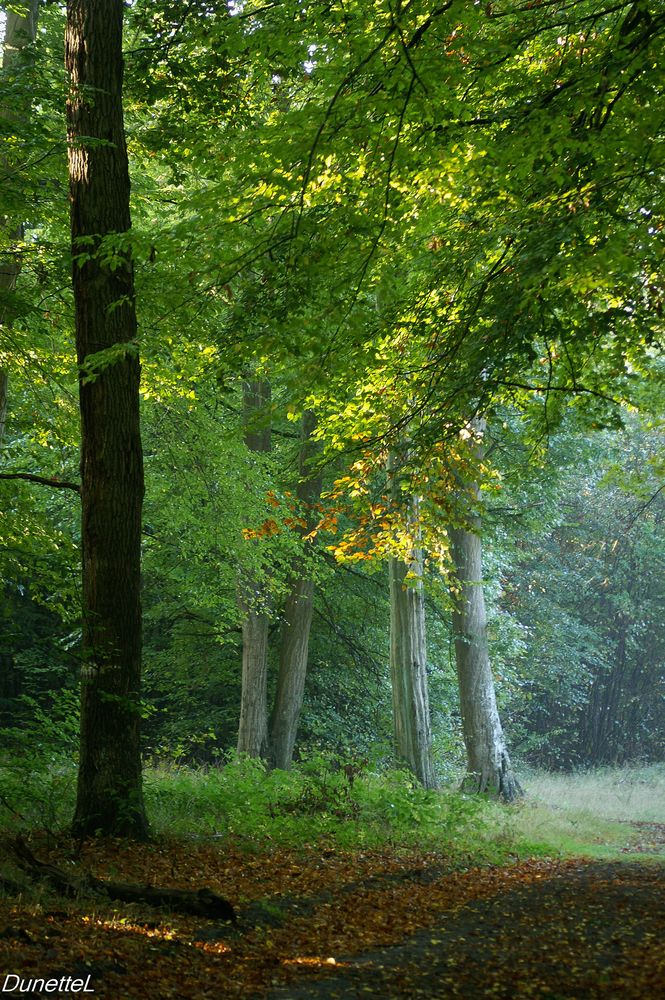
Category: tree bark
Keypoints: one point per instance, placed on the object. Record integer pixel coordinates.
(408, 669)
(298, 612)
(408, 653)
(488, 764)
(109, 796)
(253, 725)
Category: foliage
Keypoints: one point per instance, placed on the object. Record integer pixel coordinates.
(581, 593)
(403, 215)
(321, 800)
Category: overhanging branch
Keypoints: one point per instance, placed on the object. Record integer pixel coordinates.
(56, 484)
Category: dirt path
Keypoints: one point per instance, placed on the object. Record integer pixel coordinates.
(597, 930)
(332, 925)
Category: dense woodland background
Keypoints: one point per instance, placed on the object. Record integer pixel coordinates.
(390, 225)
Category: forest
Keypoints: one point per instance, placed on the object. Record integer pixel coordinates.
(332, 496)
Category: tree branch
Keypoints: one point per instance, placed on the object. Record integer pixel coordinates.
(56, 484)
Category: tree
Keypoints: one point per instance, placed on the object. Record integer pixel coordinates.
(254, 598)
(408, 650)
(298, 611)
(527, 265)
(488, 764)
(109, 795)
(408, 668)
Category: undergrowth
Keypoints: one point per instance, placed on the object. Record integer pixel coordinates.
(322, 801)
(330, 801)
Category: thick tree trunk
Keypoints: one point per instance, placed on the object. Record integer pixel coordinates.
(298, 613)
(293, 656)
(20, 29)
(408, 669)
(253, 726)
(109, 797)
(408, 652)
(488, 764)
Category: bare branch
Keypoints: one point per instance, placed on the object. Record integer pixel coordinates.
(56, 484)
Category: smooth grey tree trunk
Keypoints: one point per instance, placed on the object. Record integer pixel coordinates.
(488, 764)
(298, 612)
(253, 725)
(408, 664)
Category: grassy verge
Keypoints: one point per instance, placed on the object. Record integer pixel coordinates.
(636, 794)
(331, 803)
(591, 812)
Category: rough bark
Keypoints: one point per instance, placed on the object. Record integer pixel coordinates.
(109, 797)
(298, 612)
(488, 764)
(253, 725)
(408, 669)
(408, 651)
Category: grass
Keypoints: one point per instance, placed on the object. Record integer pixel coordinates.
(322, 802)
(319, 802)
(590, 812)
(635, 794)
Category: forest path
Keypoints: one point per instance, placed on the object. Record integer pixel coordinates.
(325, 924)
(594, 930)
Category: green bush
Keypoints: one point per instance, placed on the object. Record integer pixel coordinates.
(323, 799)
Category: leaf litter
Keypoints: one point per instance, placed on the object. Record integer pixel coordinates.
(333, 924)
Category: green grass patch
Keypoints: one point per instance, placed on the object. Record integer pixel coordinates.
(635, 794)
(590, 812)
(329, 801)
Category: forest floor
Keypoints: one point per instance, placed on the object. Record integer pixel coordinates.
(324, 923)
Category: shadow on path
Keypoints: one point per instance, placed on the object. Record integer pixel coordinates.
(597, 930)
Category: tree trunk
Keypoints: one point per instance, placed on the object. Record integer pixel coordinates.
(20, 29)
(488, 764)
(408, 652)
(109, 796)
(298, 613)
(253, 726)
(408, 669)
